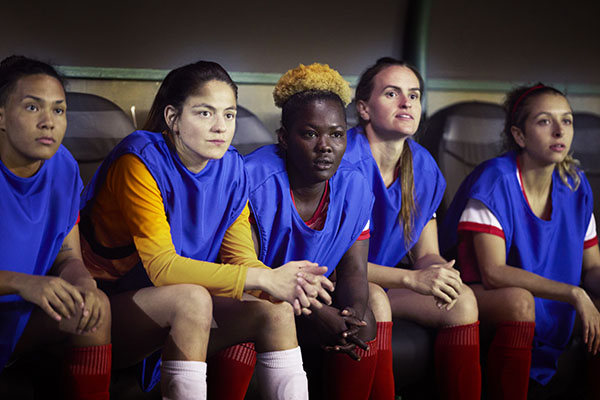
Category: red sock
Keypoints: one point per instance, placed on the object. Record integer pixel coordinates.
(509, 360)
(383, 381)
(229, 372)
(349, 379)
(88, 372)
(457, 369)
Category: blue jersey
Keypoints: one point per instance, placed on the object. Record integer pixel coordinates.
(283, 234)
(36, 214)
(387, 245)
(199, 207)
(552, 249)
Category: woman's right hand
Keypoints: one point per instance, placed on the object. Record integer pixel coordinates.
(58, 298)
(441, 281)
(300, 283)
(339, 330)
(590, 319)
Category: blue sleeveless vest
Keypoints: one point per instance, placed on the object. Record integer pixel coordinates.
(552, 249)
(199, 207)
(36, 214)
(283, 234)
(386, 246)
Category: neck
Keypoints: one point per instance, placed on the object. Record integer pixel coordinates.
(19, 166)
(537, 179)
(191, 161)
(386, 152)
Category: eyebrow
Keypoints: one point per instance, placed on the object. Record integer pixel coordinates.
(39, 99)
(549, 113)
(400, 89)
(211, 107)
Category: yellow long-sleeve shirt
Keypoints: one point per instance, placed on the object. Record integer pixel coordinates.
(129, 209)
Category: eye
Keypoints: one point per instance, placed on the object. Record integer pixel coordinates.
(230, 116)
(31, 107)
(309, 134)
(338, 134)
(413, 96)
(543, 121)
(391, 94)
(204, 113)
(568, 121)
(59, 111)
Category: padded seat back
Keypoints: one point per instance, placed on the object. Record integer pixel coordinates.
(250, 132)
(586, 148)
(460, 137)
(94, 126)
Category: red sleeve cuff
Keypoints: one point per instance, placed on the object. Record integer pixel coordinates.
(475, 227)
(590, 243)
(364, 235)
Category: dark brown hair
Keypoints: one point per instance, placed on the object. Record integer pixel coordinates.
(178, 85)
(15, 67)
(364, 89)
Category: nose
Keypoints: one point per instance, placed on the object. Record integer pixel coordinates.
(219, 126)
(324, 144)
(404, 101)
(46, 120)
(559, 130)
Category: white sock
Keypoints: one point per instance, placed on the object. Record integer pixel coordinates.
(183, 380)
(281, 376)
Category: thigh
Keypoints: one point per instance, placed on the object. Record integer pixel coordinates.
(140, 323)
(505, 304)
(270, 325)
(423, 310)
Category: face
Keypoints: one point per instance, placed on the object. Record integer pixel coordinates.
(204, 129)
(316, 141)
(32, 121)
(548, 129)
(394, 107)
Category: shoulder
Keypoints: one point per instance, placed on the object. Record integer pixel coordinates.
(423, 161)
(264, 163)
(357, 148)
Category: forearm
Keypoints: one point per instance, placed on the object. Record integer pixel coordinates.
(168, 268)
(389, 277)
(428, 260)
(11, 282)
(352, 292)
(507, 276)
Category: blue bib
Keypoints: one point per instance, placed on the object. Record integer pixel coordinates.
(386, 246)
(552, 249)
(36, 214)
(283, 234)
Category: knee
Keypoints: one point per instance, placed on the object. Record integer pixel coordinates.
(192, 304)
(519, 304)
(379, 303)
(281, 314)
(465, 309)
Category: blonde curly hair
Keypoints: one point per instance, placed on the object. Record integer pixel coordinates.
(315, 77)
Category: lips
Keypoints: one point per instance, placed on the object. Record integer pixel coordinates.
(323, 163)
(217, 142)
(47, 140)
(404, 116)
(558, 147)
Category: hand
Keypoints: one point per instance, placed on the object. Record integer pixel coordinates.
(92, 315)
(441, 281)
(58, 298)
(292, 283)
(339, 330)
(590, 320)
(315, 286)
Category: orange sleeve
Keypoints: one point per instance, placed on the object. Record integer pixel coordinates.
(140, 201)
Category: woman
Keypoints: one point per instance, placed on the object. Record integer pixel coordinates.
(524, 227)
(167, 204)
(408, 188)
(309, 204)
(47, 297)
